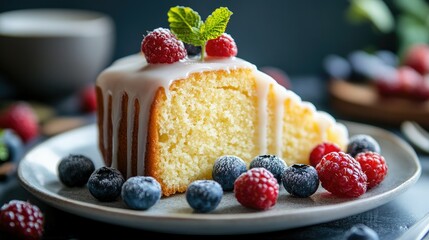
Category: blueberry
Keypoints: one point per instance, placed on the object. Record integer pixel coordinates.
(300, 180)
(362, 143)
(226, 169)
(388, 57)
(270, 162)
(74, 170)
(204, 195)
(105, 184)
(11, 146)
(361, 232)
(192, 50)
(337, 67)
(141, 192)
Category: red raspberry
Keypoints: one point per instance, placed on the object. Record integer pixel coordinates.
(22, 220)
(89, 99)
(321, 150)
(341, 175)
(257, 188)
(417, 57)
(22, 119)
(223, 46)
(374, 166)
(162, 46)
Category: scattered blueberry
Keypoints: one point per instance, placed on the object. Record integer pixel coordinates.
(361, 232)
(226, 169)
(204, 195)
(74, 170)
(337, 67)
(141, 192)
(362, 143)
(300, 180)
(11, 146)
(192, 50)
(388, 57)
(105, 184)
(365, 66)
(270, 162)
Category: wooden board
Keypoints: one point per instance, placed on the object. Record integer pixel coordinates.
(362, 102)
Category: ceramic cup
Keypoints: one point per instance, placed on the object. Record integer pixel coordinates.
(50, 53)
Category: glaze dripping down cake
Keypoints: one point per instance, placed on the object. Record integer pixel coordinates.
(172, 121)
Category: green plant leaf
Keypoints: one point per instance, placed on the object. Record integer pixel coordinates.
(374, 11)
(215, 24)
(185, 23)
(416, 8)
(411, 31)
(4, 151)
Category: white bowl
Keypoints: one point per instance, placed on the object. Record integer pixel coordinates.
(51, 53)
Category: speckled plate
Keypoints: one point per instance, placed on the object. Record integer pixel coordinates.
(38, 174)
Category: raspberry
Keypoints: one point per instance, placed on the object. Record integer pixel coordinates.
(417, 57)
(223, 46)
(161, 46)
(22, 119)
(21, 220)
(89, 99)
(321, 150)
(374, 166)
(257, 188)
(341, 175)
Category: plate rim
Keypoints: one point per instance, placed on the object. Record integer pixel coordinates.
(90, 209)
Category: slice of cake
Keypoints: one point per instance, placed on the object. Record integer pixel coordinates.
(172, 120)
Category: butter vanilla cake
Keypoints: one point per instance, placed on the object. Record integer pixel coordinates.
(169, 115)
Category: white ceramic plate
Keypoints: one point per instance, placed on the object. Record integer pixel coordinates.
(38, 174)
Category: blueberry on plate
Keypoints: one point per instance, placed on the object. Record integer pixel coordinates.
(204, 195)
(362, 143)
(361, 232)
(74, 170)
(105, 184)
(11, 146)
(300, 180)
(270, 162)
(140, 192)
(227, 169)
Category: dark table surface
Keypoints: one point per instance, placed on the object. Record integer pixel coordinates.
(389, 220)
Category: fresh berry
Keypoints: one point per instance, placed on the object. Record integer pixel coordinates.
(417, 57)
(105, 184)
(162, 46)
(223, 46)
(227, 169)
(11, 146)
(204, 195)
(341, 175)
(141, 192)
(362, 143)
(279, 75)
(300, 180)
(74, 170)
(374, 166)
(270, 162)
(336, 67)
(321, 150)
(89, 99)
(192, 50)
(21, 220)
(361, 232)
(257, 188)
(388, 57)
(22, 119)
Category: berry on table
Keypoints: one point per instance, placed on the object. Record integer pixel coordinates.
(300, 180)
(21, 219)
(204, 195)
(341, 175)
(417, 57)
(257, 188)
(22, 119)
(270, 162)
(227, 169)
(105, 184)
(361, 232)
(74, 170)
(321, 150)
(374, 166)
(223, 46)
(141, 192)
(362, 143)
(162, 46)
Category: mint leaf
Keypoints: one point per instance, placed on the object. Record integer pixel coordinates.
(185, 23)
(374, 11)
(4, 151)
(216, 23)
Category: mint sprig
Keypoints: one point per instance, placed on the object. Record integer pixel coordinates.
(188, 27)
(4, 151)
